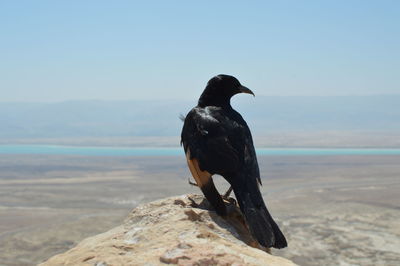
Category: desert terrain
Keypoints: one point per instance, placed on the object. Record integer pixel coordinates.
(334, 210)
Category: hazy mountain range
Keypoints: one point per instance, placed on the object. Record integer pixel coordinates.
(161, 118)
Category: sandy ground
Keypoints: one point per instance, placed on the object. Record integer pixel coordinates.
(334, 210)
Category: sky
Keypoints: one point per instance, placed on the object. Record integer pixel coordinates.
(134, 50)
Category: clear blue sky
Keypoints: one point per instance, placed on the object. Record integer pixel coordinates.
(63, 50)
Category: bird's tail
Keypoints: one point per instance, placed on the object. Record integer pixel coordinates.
(261, 225)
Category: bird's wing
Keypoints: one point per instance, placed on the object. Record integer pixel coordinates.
(207, 152)
(250, 157)
(207, 135)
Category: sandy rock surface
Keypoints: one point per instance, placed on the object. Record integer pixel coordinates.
(179, 230)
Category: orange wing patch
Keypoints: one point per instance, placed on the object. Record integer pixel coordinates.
(201, 177)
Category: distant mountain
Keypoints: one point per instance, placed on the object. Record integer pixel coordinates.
(322, 113)
(161, 118)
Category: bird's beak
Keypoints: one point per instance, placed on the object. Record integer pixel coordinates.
(245, 90)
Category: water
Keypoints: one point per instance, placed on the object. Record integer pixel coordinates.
(123, 151)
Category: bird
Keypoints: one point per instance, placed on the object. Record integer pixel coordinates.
(217, 140)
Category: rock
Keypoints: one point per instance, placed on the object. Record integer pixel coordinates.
(179, 230)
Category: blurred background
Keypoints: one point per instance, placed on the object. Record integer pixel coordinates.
(92, 91)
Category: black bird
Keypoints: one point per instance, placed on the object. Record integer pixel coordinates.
(217, 140)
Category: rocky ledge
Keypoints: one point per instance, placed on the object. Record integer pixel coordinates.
(179, 230)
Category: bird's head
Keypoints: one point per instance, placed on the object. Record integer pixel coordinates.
(220, 89)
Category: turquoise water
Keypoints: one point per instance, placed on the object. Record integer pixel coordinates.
(122, 151)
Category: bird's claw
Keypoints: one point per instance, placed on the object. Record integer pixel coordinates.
(229, 200)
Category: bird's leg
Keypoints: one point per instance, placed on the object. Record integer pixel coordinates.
(227, 198)
(227, 193)
(192, 183)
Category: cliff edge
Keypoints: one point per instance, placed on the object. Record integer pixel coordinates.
(179, 230)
